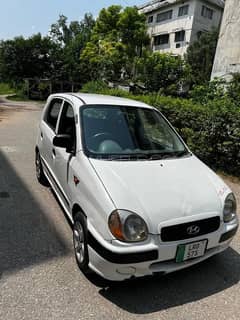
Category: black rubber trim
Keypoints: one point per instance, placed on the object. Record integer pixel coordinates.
(55, 182)
(123, 258)
(76, 96)
(228, 235)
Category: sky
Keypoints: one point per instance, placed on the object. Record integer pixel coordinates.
(26, 17)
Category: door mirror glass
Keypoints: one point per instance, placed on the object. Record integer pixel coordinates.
(63, 141)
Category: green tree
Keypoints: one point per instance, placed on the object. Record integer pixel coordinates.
(107, 24)
(200, 56)
(133, 31)
(118, 37)
(23, 58)
(72, 38)
(60, 32)
(102, 59)
(63, 32)
(161, 72)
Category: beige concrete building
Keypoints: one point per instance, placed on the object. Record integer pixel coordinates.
(227, 59)
(174, 24)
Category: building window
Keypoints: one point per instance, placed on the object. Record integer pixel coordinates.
(167, 15)
(207, 12)
(150, 19)
(161, 39)
(183, 11)
(180, 36)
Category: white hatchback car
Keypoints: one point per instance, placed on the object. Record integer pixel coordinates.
(139, 200)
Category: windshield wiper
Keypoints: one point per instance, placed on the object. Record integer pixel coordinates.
(143, 156)
(128, 157)
(167, 155)
(174, 154)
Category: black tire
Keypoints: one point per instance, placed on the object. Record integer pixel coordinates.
(39, 170)
(80, 242)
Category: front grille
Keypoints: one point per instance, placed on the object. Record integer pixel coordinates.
(186, 230)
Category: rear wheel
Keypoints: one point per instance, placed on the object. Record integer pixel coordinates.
(80, 242)
(39, 170)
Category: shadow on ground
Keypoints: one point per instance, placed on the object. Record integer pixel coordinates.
(27, 236)
(152, 294)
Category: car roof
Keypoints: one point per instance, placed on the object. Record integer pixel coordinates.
(99, 99)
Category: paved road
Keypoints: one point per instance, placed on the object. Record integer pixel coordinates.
(38, 275)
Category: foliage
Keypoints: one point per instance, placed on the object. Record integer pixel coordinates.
(94, 86)
(218, 90)
(212, 131)
(54, 57)
(161, 72)
(103, 60)
(117, 38)
(133, 31)
(200, 56)
(23, 58)
(212, 90)
(106, 23)
(234, 88)
(5, 89)
(71, 39)
(63, 33)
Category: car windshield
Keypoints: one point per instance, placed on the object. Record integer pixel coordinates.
(126, 133)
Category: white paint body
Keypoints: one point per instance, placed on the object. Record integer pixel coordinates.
(163, 192)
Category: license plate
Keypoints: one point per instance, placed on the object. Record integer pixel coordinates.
(191, 250)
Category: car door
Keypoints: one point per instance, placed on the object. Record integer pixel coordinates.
(64, 159)
(47, 132)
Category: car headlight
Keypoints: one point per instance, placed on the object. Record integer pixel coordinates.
(230, 208)
(127, 226)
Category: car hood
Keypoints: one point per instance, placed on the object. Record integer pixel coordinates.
(163, 191)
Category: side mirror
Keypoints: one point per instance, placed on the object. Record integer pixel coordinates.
(63, 141)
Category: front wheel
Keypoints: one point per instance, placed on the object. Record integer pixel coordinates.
(80, 242)
(39, 170)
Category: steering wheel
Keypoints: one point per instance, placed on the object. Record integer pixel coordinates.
(102, 135)
(98, 138)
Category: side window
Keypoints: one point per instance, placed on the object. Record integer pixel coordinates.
(51, 116)
(67, 123)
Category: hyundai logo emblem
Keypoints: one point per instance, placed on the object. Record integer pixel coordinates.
(193, 230)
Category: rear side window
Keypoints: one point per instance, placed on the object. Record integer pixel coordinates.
(51, 116)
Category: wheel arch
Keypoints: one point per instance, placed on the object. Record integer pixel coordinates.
(77, 209)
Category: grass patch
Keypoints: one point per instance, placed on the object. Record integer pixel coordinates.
(6, 89)
(18, 97)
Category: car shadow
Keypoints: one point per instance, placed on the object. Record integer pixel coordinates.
(152, 294)
(27, 236)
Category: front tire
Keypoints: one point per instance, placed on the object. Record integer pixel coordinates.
(39, 170)
(80, 242)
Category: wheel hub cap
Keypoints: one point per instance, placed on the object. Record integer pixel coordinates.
(78, 238)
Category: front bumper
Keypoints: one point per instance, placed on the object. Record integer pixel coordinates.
(116, 261)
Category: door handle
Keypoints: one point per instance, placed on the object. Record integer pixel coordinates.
(41, 134)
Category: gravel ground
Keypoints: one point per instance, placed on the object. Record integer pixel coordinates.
(39, 278)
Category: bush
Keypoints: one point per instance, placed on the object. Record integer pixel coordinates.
(215, 89)
(161, 72)
(94, 86)
(212, 130)
(5, 89)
